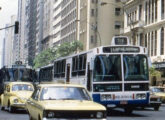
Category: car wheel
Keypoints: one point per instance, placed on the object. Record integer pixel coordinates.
(128, 111)
(156, 108)
(2, 108)
(30, 117)
(10, 108)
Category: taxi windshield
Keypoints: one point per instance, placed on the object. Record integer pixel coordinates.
(22, 87)
(64, 93)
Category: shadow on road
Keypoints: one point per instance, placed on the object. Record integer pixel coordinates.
(18, 111)
(121, 113)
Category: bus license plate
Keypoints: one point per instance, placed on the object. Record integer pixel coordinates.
(123, 102)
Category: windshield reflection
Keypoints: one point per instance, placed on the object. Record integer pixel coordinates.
(135, 67)
(64, 93)
(22, 87)
(107, 68)
(15, 74)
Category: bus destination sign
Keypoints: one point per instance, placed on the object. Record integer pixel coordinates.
(119, 49)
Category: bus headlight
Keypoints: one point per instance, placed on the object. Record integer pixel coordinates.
(99, 115)
(105, 97)
(141, 96)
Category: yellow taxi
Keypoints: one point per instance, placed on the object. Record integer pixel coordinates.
(63, 102)
(158, 91)
(15, 95)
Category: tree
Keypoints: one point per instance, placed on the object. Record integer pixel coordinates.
(50, 54)
(155, 76)
(154, 72)
(68, 48)
(45, 57)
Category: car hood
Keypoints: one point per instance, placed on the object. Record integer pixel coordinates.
(71, 105)
(160, 94)
(22, 94)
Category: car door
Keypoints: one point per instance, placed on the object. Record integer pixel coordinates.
(6, 95)
(31, 103)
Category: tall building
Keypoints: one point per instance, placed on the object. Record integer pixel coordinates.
(22, 31)
(44, 25)
(100, 21)
(83, 20)
(31, 12)
(53, 22)
(64, 21)
(38, 23)
(145, 24)
(3, 54)
(9, 41)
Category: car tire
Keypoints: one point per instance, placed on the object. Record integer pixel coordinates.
(2, 108)
(128, 111)
(30, 117)
(156, 108)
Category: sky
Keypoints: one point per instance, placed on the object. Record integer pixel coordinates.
(9, 8)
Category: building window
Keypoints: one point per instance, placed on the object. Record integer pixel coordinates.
(140, 12)
(162, 42)
(152, 11)
(155, 42)
(145, 40)
(149, 11)
(118, 0)
(117, 11)
(162, 9)
(92, 12)
(156, 10)
(152, 41)
(149, 44)
(117, 24)
(146, 14)
(92, 39)
(141, 39)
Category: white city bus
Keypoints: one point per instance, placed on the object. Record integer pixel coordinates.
(115, 75)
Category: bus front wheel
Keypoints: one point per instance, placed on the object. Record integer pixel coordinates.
(128, 110)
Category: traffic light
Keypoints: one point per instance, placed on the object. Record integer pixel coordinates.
(16, 30)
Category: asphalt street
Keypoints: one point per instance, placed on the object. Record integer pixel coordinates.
(117, 114)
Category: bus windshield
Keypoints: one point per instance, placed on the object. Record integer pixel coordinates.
(107, 68)
(14, 74)
(135, 67)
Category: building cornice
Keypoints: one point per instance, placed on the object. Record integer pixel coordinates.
(162, 22)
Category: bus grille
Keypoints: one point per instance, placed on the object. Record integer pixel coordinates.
(136, 87)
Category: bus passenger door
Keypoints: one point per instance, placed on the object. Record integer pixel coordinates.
(88, 78)
(68, 73)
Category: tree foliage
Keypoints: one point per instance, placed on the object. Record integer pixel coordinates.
(154, 72)
(45, 57)
(50, 54)
(68, 48)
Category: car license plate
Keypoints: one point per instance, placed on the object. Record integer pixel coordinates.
(123, 102)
